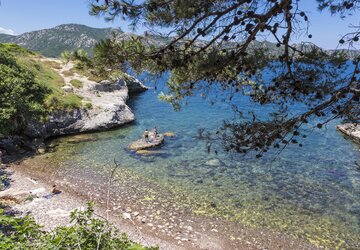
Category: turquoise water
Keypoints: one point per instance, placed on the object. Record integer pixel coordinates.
(312, 192)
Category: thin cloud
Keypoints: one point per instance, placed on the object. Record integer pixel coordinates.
(7, 31)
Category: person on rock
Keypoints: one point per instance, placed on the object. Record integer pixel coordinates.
(155, 133)
(146, 135)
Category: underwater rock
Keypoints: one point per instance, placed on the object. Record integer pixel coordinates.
(148, 152)
(169, 134)
(80, 139)
(213, 162)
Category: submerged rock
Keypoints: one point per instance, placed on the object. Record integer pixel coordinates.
(213, 162)
(352, 130)
(169, 134)
(82, 138)
(148, 152)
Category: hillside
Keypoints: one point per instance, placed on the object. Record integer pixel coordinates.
(51, 42)
(45, 74)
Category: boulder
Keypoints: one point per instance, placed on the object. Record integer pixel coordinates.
(107, 86)
(68, 89)
(141, 144)
(134, 85)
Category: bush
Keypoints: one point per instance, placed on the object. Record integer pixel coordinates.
(21, 96)
(86, 232)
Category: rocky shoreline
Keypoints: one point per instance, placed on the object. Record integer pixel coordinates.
(106, 108)
(143, 220)
(351, 130)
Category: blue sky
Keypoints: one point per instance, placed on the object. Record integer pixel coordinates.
(19, 16)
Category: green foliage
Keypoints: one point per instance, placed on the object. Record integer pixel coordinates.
(76, 83)
(215, 47)
(29, 89)
(22, 95)
(86, 232)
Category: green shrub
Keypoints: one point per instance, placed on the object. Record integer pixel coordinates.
(21, 95)
(86, 232)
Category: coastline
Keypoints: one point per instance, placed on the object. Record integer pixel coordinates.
(172, 229)
(103, 107)
(145, 225)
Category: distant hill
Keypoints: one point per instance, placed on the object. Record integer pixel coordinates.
(51, 42)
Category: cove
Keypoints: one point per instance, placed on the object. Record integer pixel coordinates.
(312, 192)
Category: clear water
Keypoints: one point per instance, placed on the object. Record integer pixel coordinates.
(311, 192)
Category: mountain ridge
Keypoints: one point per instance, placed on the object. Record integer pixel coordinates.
(51, 42)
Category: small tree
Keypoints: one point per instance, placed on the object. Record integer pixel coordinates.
(21, 98)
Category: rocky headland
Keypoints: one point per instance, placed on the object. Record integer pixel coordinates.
(103, 107)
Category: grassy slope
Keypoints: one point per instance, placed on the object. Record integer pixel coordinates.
(44, 74)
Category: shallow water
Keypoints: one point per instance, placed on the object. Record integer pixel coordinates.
(312, 192)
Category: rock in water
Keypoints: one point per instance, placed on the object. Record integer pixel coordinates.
(169, 134)
(213, 162)
(141, 144)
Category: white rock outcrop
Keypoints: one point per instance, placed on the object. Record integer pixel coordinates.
(352, 130)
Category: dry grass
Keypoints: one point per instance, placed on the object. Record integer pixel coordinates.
(52, 64)
(76, 83)
(68, 73)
